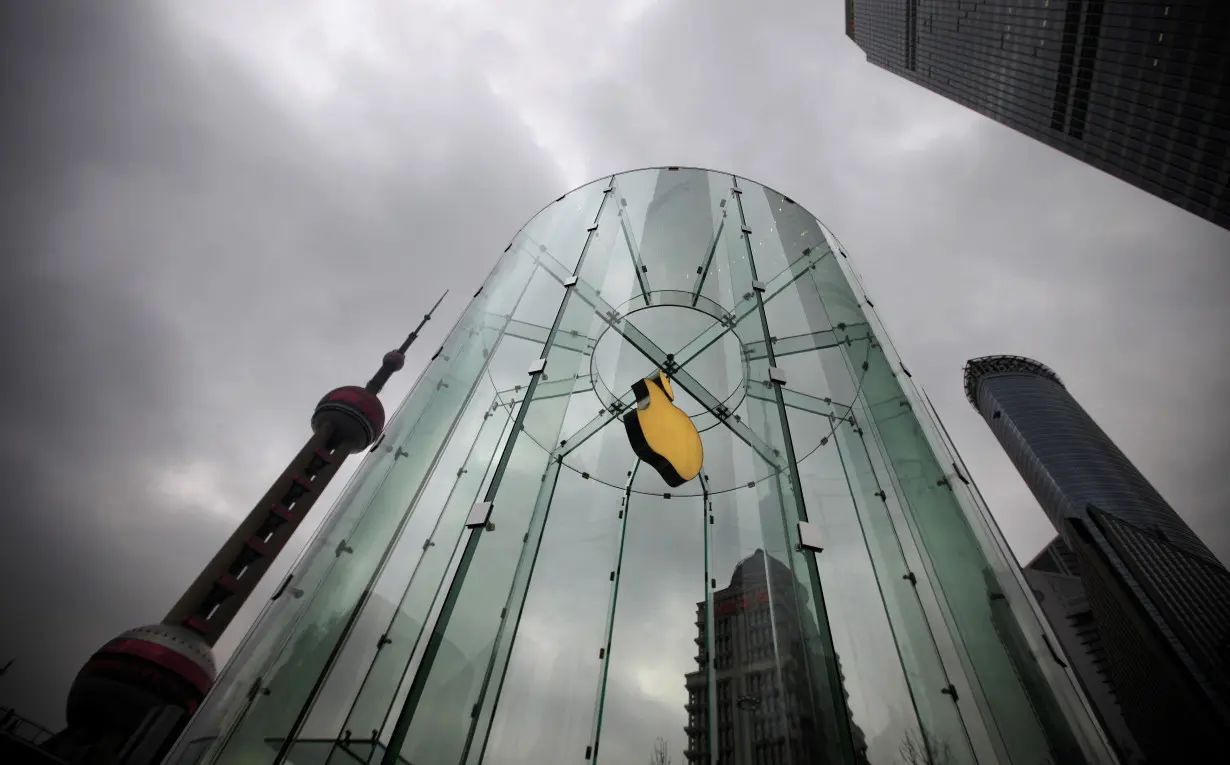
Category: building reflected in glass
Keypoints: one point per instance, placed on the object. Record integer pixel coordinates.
(763, 712)
(504, 582)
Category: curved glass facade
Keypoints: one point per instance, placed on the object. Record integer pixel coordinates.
(592, 613)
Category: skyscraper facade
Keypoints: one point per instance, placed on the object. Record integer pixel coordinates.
(1153, 601)
(505, 581)
(1137, 88)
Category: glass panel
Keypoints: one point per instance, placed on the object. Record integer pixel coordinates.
(554, 663)
(554, 232)
(248, 666)
(937, 720)
(294, 679)
(442, 730)
(633, 194)
(418, 598)
(763, 702)
(1017, 594)
(1007, 681)
(653, 641)
(225, 696)
(249, 671)
(873, 678)
(540, 303)
(678, 230)
(373, 624)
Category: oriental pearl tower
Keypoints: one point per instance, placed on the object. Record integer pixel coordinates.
(169, 666)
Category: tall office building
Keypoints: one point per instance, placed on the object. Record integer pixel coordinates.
(544, 582)
(1150, 601)
(755, 627)
(1137, 88)
(134, 695)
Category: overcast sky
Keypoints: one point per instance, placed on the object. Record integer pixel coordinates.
(212, 213)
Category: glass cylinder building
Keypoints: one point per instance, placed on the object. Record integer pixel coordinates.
(505, 581)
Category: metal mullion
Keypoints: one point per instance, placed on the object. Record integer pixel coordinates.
(398, 737)
(792, 469)
(600, 698)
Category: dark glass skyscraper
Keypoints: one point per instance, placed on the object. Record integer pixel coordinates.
(1157, 597)
(1138, 88)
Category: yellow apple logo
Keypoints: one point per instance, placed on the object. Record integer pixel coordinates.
(661, 434)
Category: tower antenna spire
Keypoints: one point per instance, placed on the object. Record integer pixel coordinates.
(396, 359)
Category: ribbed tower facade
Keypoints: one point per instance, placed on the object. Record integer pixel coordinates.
(505, 581)
(135, 694)
(1157, 599)
(1135, 88)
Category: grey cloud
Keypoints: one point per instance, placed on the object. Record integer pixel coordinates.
(199, 256)
(192, 270)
